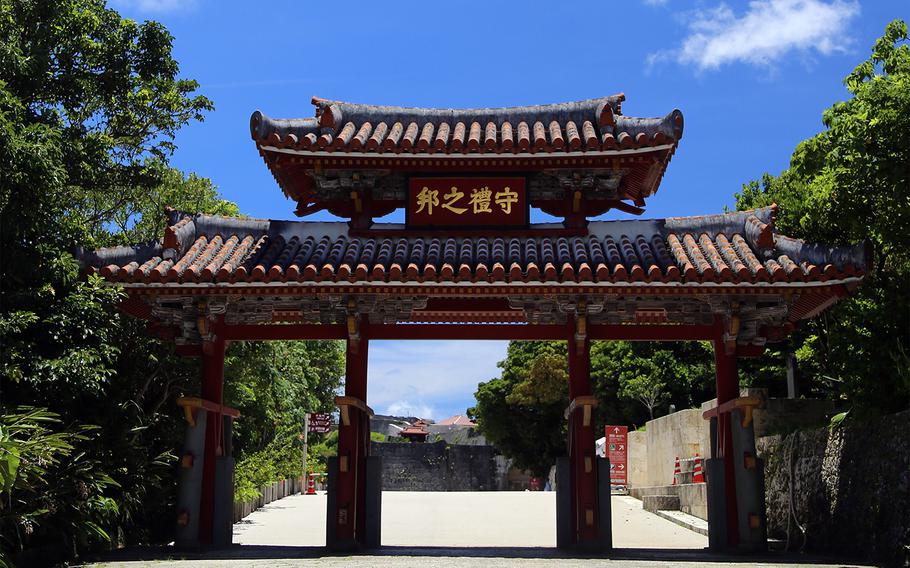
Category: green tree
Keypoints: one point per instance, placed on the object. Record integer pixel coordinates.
(851, 182)
(521, 412)
(144, 220)
(649, 390)
(274, 384)
(89, 106)
(679, 373)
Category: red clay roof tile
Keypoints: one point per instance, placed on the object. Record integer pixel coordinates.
(687, 251)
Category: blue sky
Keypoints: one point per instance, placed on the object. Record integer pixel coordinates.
(751, 79)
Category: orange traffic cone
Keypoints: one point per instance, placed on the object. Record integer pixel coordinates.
(698, 476)
(311, 484)
(676, 471)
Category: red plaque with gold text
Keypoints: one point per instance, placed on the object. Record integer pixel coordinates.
(467, 202)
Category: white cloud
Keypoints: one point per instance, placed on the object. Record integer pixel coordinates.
(407, 408)
(155, 6)
(429, 379)
(767, 31)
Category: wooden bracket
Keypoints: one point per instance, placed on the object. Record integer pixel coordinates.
(581, 327)
(358, 202)
(732, 331)
(202, 322)
(754, 521)
(346, 402)
(586, 403)
(191, 404)
(353, 327)
(749, 461)
(744, 403)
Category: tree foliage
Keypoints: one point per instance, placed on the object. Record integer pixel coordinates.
(89, 107)
(849, 183)
(677, 373)
(521, 412)
(275, 384)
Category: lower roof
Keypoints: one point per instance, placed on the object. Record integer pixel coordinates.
(741, 248)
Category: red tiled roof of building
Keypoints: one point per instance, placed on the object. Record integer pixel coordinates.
(459, 420)
(738, 248)
(418, 428)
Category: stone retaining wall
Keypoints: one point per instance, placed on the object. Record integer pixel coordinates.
(438, 467)
(849, 487)
(267, 494)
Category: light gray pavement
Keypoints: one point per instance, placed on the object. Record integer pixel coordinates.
(459, 529)
(460, 519)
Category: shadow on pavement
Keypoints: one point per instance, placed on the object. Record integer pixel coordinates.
(258, 552)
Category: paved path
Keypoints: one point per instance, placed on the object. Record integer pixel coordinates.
(460, 519)
(464, 529)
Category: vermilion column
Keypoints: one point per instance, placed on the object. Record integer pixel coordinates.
(212, 390)
(582, 446)
(353, 447)
(727, 389)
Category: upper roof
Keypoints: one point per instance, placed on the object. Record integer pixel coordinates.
(592, 124)
(590, 137)
(741, 248)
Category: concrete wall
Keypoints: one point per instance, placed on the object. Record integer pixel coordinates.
(637, 457)
(668, 437)
(849, 487)
(438, 467)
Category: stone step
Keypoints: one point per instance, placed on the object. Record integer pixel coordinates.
(685, 520)
(654, 503)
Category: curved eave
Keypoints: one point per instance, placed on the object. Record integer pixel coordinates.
(497, 287)
(463, 156)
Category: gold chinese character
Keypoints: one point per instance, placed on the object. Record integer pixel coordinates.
(451, 197)
(505, 199)
(480, 199)
(428, 199)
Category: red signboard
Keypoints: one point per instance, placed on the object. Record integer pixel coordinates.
(465, 202)
(320, 423)
(616, 450)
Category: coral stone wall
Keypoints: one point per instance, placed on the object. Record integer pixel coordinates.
(849, 488)
(438, 467)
